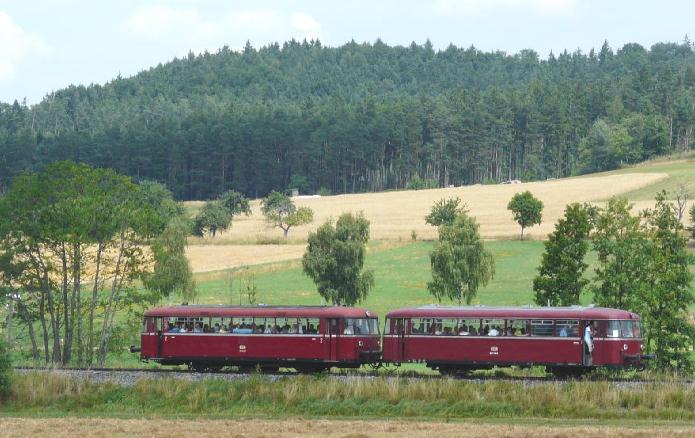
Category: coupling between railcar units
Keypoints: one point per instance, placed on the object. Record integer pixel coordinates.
(452, 340)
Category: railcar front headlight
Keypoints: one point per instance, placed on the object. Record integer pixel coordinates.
(641, 347)
(624, 347)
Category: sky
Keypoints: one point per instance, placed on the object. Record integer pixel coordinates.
(48, 45)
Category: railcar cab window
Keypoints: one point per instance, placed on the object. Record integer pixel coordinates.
(360, 326)
(623, 329)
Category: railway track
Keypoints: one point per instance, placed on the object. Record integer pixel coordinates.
(129, 376)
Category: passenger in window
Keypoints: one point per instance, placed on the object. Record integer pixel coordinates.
(348, 330)
(563, 332)
(493, 331)
(463, 330)
(447, 331)
(472, 330)
(183, 329)
(223, 328)
(268, 329)
(174, 328)
(510, 331)
(312, 329)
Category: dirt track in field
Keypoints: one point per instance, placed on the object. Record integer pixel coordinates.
(95, 427)
(395, 215)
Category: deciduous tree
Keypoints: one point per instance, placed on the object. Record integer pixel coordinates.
(280, 211)
(526, 210)
(444, 212)
(460, 263)
(212, 217)
(560, 279)
(334, 260)
(666, 295)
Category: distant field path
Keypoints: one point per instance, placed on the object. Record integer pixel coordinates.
(395, 215)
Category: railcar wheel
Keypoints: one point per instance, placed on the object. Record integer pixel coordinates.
(311, 369)
(566, 372)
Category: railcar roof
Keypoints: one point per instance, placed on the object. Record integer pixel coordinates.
(578, 312)
(261, 311)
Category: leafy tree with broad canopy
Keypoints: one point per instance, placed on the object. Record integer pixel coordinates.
(444, 211)
(212, 217)
(560, 279)
(334, 260)
(526, 209)
(235, 203)
(665, 296)
(280, 211)
(73, 240)
(621, 248)
(460, 262)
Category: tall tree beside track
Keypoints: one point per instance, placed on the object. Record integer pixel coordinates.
(280, 211)
(560, 279)
(665, 296)
(621, 248)
(334, 260)
(460, 263)
(527, 210)
(72, 239)
(172, 274)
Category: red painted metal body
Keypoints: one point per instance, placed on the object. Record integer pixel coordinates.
(329, 342)
(559, 344)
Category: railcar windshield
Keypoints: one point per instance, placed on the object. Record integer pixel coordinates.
(361, 326)
(623, 329)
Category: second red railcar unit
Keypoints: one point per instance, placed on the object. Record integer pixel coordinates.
(460, 339)
(302, 337)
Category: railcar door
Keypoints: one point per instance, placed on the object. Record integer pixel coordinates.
(331, 339)
(399, 327)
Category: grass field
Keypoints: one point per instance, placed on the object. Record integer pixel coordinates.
(401, 276)
(260, 397)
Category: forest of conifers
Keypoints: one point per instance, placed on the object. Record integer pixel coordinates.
(363, 117)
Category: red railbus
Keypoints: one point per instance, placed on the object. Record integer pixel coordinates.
(461, 339)
(302, 337)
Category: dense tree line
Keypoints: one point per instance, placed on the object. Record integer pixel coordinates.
(363, 117)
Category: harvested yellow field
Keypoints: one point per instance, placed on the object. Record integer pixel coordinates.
(204, 258)
(395, 215)
(111, 427)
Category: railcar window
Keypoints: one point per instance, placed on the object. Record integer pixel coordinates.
(360, 326)
(623, 329)
(419, 325)
(492, 327)
(541, 327)
(468, 327)
(517, 327)
(567, 328)
(449, 327)
(612, 329)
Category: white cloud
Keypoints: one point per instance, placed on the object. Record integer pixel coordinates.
(306, 25)
(160, 20)
(16, 45)
(479, 7)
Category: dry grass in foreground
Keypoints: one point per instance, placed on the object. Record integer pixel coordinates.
(108, 427)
